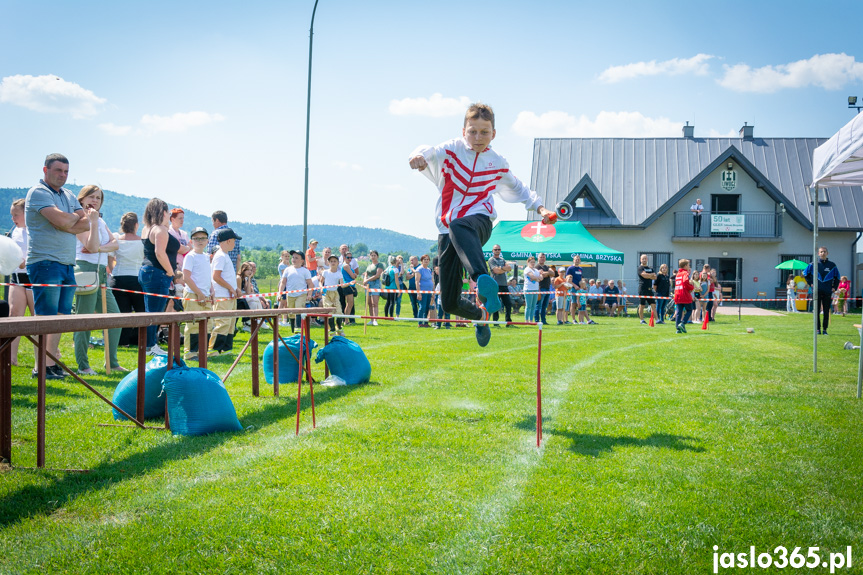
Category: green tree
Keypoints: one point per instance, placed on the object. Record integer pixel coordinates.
(359, 249)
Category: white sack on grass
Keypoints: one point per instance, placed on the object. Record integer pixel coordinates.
(10, 256)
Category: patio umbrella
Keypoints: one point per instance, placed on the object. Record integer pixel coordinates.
(792, 265)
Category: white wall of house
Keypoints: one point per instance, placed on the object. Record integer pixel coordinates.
(759, 258)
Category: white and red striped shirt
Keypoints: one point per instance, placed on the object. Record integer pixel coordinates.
(467, 180)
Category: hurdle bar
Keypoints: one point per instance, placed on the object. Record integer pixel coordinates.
(479, 322)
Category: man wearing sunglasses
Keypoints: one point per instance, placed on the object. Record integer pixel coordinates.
(499, 268)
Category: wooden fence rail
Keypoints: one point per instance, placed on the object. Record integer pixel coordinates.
(36, 328)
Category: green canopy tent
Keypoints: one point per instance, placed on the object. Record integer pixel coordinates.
(560, 242)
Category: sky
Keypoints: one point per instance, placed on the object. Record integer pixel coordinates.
(203, 104)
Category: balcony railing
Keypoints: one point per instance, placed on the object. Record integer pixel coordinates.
(728, 225)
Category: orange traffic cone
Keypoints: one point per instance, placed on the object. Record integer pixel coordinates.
(706, 321)
(651, 317)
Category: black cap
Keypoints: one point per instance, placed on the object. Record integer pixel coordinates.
(199, 230)
(226, 234)
(299, 253)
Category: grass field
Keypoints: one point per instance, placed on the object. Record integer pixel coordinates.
(657, 448)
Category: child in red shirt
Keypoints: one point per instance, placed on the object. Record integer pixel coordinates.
(683, 295)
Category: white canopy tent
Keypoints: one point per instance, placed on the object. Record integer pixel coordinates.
(837, 162)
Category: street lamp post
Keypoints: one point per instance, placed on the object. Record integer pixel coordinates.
(308, 117)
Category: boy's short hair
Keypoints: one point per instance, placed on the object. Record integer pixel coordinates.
(481, 111)
(682, 263)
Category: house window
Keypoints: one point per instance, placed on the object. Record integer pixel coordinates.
(783, 276)
(583, 201)
(656, 259)
(822, 196)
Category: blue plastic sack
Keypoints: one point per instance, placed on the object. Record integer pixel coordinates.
(288, 367)
(198, 402)
(126, 394)
(346, 359)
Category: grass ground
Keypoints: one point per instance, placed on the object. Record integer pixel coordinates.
(657, 448)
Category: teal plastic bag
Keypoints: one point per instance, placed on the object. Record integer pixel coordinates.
(198, 402)
(346, 359)
(126, 393)
(288, 367)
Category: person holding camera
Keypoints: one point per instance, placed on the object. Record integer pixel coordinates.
(92, 250)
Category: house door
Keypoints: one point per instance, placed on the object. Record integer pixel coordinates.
(729, 272)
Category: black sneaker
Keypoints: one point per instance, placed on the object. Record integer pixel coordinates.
(51, 372)
(483, 333)
(818, 332)
(824, 332)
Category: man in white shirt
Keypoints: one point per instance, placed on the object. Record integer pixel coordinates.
(696, 210)
(224, 291)
(297, 281)
(197, 291)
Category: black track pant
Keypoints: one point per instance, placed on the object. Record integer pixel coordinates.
(824, 301)
(458, 251)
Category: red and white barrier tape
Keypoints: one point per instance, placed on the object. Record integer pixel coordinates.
(387, 290)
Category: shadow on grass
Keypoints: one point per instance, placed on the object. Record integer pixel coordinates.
(34, 500)
(593, 445)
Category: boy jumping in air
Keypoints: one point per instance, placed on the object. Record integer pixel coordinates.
(467, 172)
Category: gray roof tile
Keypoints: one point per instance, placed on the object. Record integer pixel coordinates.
(639, 177)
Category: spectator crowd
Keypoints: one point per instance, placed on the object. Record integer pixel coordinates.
(71, 252)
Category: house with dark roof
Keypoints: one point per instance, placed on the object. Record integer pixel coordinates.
(635, 195)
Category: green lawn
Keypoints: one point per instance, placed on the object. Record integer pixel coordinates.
(657, 447)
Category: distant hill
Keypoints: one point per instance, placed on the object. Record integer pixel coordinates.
(254, 235)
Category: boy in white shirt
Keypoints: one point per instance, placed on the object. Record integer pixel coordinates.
(331, 279)
(467, 173)
(224, 291)
(197, 292)
(295, 280)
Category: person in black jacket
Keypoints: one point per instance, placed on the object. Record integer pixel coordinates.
(828, 281)
(662, 287)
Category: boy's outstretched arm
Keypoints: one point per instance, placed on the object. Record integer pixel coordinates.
(546, 214)
(418, 162)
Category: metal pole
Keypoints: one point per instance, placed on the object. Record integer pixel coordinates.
(815, 282)
(539, 386)
(308, 118)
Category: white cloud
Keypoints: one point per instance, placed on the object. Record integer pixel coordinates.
(347, 166)
(50, 94)
(674, 67)
(115, 130)
(717, 134)
(557, 124)
(114, 171)
(437, 106)
(828, 71)
(179, 122)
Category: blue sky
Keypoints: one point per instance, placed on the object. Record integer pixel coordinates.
(204, 103)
